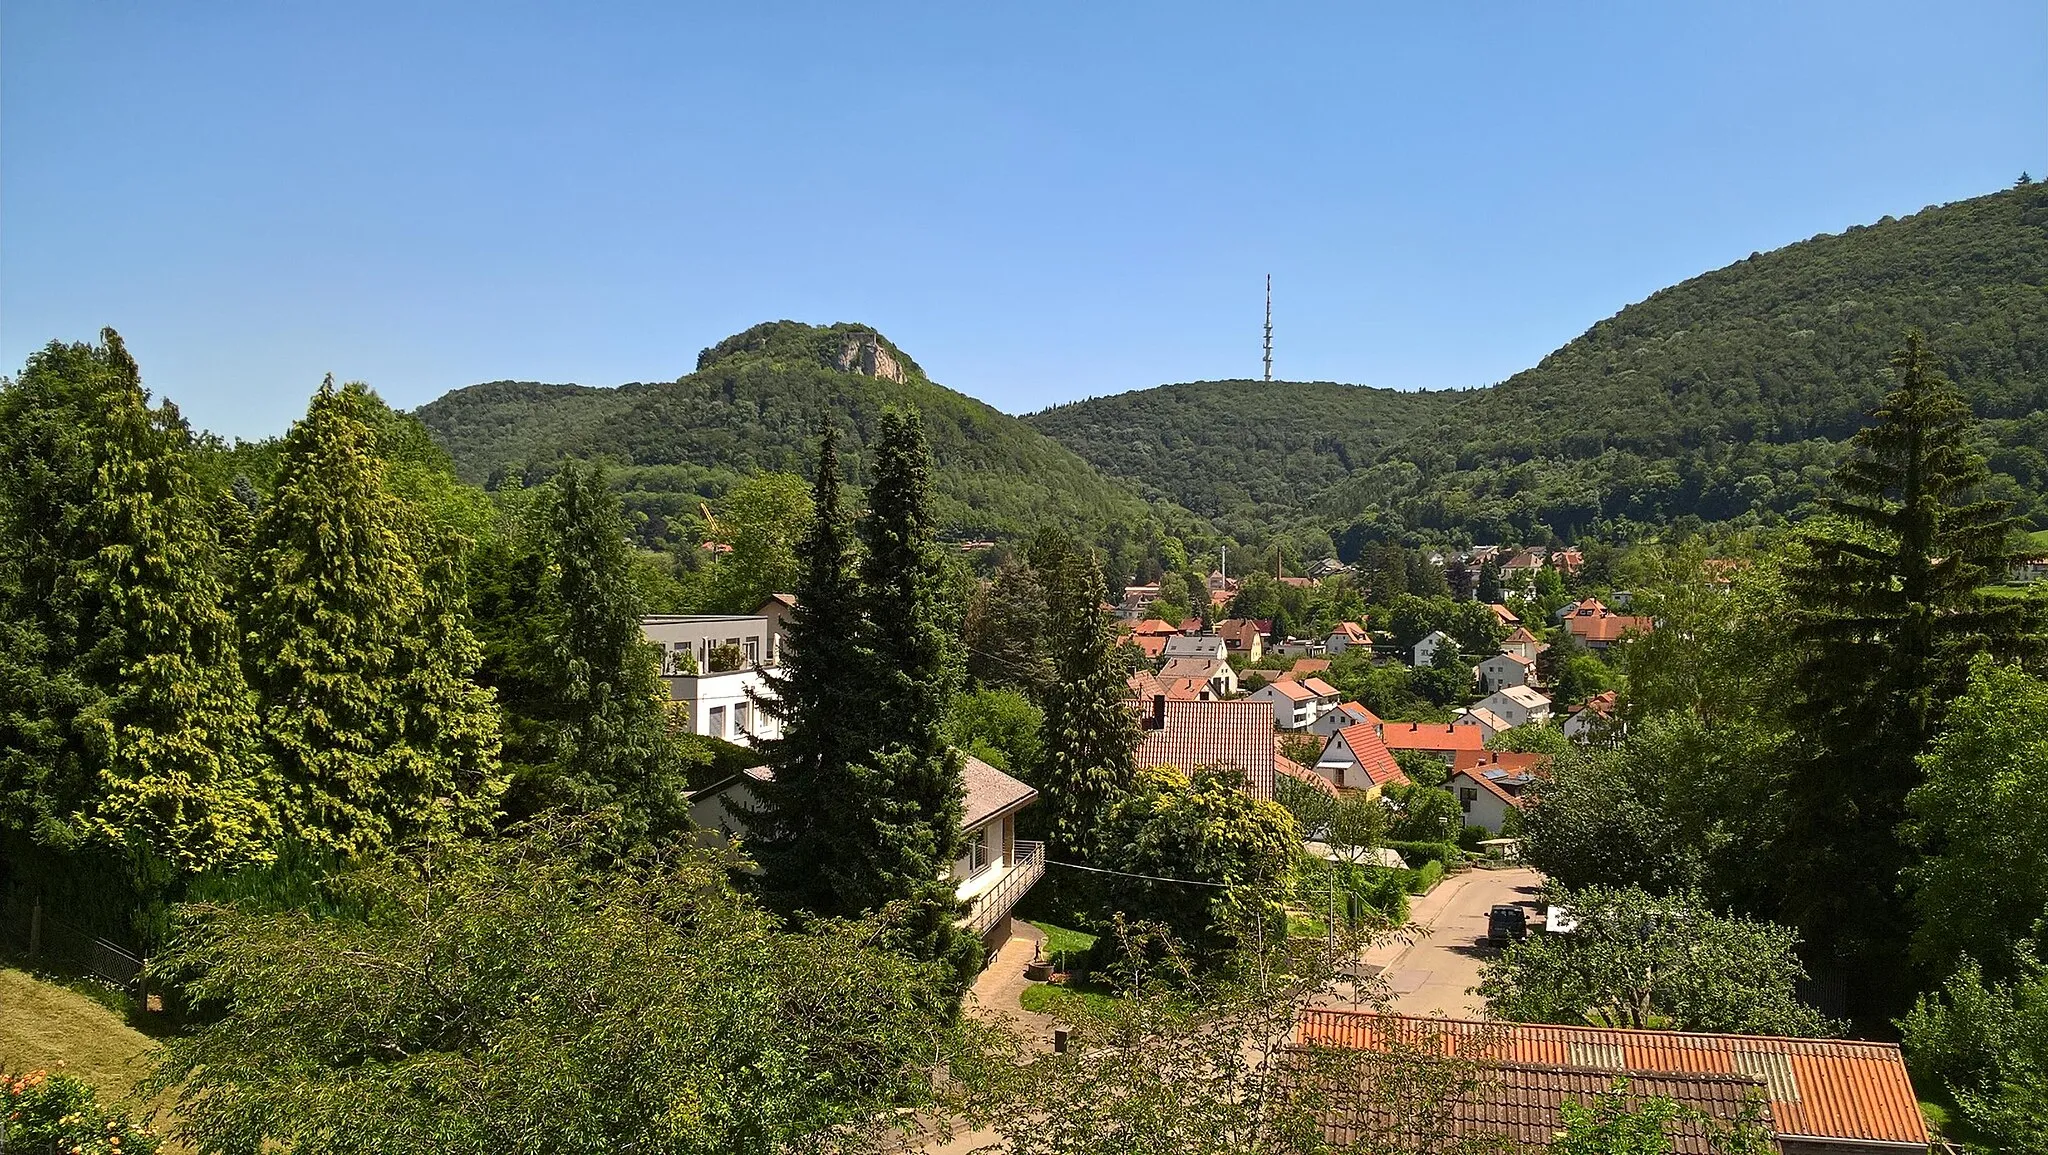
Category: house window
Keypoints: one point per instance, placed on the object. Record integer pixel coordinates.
(740, 720)
(1467, 796)
(753, 651)
(977, 852)
(717, 725)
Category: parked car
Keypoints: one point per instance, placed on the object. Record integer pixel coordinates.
(1506, 924)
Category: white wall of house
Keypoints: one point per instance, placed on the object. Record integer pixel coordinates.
(1482, 806)
(1425, 650)
(698, 634)
(1501, 671)
(1517, 709)
(718, 705)
(1288, 714)
(986, 852)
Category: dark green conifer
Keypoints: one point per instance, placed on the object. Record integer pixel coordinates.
(357, 647)
(1089, 734)
(1889, 615)
(809, 813)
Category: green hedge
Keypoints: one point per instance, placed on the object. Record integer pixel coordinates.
(1446, 853)
(1420, 881)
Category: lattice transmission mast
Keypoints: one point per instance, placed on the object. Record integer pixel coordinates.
(1269, 326)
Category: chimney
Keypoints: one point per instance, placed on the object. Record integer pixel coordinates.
(1158, 721)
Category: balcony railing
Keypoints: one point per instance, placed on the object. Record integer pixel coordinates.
(991, 906)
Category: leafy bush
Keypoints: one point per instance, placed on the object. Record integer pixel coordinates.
(55, 1112)
(1444, 853)
(1424, 880)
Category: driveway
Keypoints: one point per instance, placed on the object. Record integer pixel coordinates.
(1432, 974)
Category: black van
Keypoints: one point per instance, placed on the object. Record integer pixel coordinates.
(1506, 924)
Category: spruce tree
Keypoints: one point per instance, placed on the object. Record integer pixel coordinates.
(1889, 615)
(614, 745)
(1090, 735)
(915, 793)
(356, 643)
(128, 725)
(809, 814)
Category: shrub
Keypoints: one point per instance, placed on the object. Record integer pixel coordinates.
(1423, 880)
(1441, 852)
(46, 1112)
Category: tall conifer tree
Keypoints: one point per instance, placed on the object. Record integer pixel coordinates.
(1089, 734)
(128, 722)
(1889, 616)
(915, 797)
(613, 745)
(809, 812)
(356, 644)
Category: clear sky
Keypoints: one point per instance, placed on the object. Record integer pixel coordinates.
(1038, 201)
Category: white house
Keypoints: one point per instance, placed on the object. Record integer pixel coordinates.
(715, 666)
(1485, 797)
(1214, 672)
(1346, 714)
(1425, 650)
(1489, 723)
(1345, 636)
(1356, 758)
(1294, 705)
(1503, 670)
(995, 868)
(1593, 719)
(1517, 705)
(1521, 641)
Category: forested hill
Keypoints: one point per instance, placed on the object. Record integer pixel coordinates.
(1724, 398)
(754, 403)
(1244, 453)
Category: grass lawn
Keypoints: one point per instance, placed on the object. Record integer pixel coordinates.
(1064, 1002)
(1063, 940)
(2040, 539)
(42, 1024)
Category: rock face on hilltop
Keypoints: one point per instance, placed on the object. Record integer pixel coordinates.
(754, 403)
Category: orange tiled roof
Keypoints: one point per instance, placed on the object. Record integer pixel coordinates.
(1203, 668)
(1293, 691)
(1236, 733)
(1838, 1089)
(1375, 761)
(1303, 667)
(1605, 626)
(1320, 688)
(1507, 616)
(1153, 627)
(1435, 737)
(1358, 711)
(1295, 770)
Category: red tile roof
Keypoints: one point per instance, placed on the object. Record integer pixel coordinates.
(1303, 667)
(1239, 633)
(1151, 645)
(1375, 761)
(1507, 616)
(1435, 737)
(1192, 668)
(1605, 627)
(1838, 1089)
(1295, 770)
(1512, 762)
(1154, 627)
(1519, 637)
(1293, 691)
(1520, 1104)
(1236, 733)
(1358, 712)
(1320, 688)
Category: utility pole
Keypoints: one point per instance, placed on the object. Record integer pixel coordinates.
(1269, 326)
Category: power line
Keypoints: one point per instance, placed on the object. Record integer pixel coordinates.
(1128, 874)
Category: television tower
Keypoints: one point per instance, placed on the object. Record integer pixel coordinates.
(1269, 326)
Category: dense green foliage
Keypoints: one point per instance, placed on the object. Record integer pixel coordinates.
(509, 996)
(1644, 961)
(127, 728)
(1089, 736)
(359, 649)
(1617, 1123)
(753, 405)
(41, 1111)
(1986, 1044)
(1725, 398)
(1888, 617)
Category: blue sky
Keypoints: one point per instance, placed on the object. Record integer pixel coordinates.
(1039, 202)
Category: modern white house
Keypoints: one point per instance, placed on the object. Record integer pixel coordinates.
(1294, 705)
(1488, 795)
(714, 665)
(1425, 650)
(995, 868)
(1503, 670)
(1516, 705)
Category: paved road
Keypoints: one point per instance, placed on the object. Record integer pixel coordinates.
(1433, 974)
